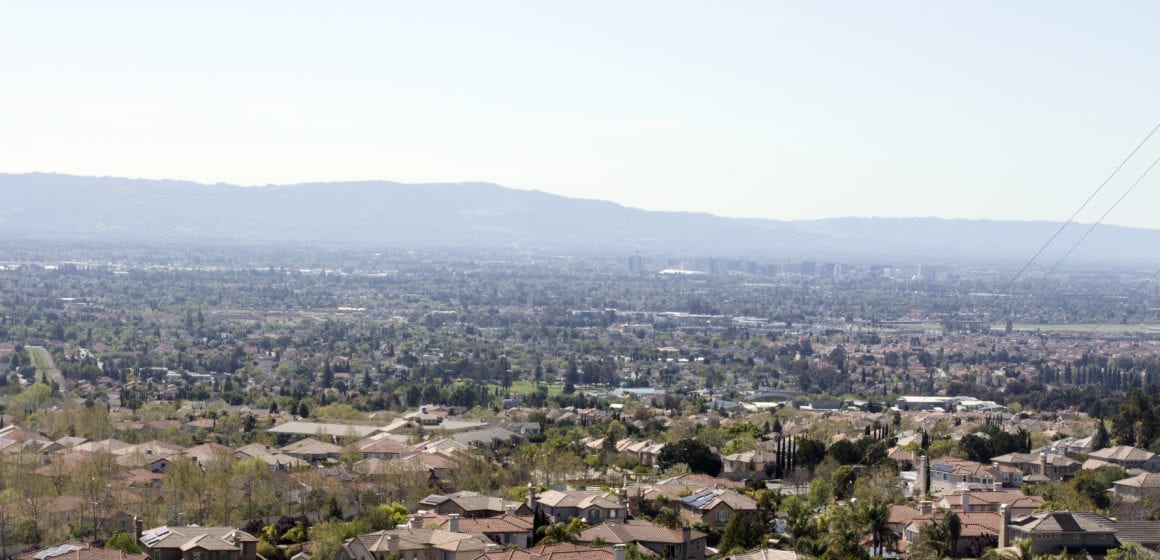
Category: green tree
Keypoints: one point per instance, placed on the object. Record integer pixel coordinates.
(875, 518)
(1021, 550)
(799, 518)
(940, 537)
(386, 516)
(845, 452)
(809, 453)
(742, 532)
(124, 542)
(840, 533)
(558, 533)
(328, 537)
(1101, 439)
(843, 481)
(698, 456)
(1128, 551)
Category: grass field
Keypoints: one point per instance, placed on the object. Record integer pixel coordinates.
(1052, 328)
(528, 387)
(42, 362)
(1077, 327)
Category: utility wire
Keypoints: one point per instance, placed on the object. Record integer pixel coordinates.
(1105, 215)
(1080, 209)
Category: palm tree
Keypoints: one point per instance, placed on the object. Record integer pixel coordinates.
(558, 533)
(875, 517)
(940, 537)
(1022, 551)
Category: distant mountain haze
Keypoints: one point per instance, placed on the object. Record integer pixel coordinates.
(468, 215)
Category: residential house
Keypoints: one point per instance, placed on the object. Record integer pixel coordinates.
(749, 464)
(901, 515)
(1136, 488)
(505, 530)
(702, 481)
(977, 501)
(208, 453)
(1045, 464)
(77, 551)
(593, 506)
(153, 455)
(384, 448)
(559, 552)
(438, 464)
(63, 511)
(525, 428)
(905, 460)
(1128, 457)
(415, 543)
(715, 507)
(492, 437)
(1076, 448)
(951, 472)
(678, 544)
(197, 543)
(473, 505)
(273, 457)
(979, 531)
(1052, 531)
(313, 451)
(765, 554)
(643, 452)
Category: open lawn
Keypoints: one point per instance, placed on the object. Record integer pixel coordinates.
(527, 387)
(1078, 328)
(42, 361)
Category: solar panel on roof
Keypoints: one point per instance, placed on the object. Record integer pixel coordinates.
(942, 468)
(155, 535)
(700, 499)
(56, 551)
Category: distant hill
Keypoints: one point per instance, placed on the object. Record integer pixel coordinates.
(466, 215)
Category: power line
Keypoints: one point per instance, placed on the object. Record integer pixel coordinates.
(1080, 209)
(1105, 215)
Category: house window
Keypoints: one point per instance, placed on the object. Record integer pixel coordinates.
(721, 516)
(156, 554)
(195, 556)
(612, 514)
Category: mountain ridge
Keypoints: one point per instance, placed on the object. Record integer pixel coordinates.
(481, 214)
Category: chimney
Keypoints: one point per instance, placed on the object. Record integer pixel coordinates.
(1043, 464)
(415, 522)
(532, 497)
(392, 544)
(618, 552)
(138, 524)
(453, 522)
(925, 507)
(923, 483)
(1004, 532)
(966, 500)
(687, 538)
(997, 486)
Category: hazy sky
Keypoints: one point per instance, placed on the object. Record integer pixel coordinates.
(1006, 110)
